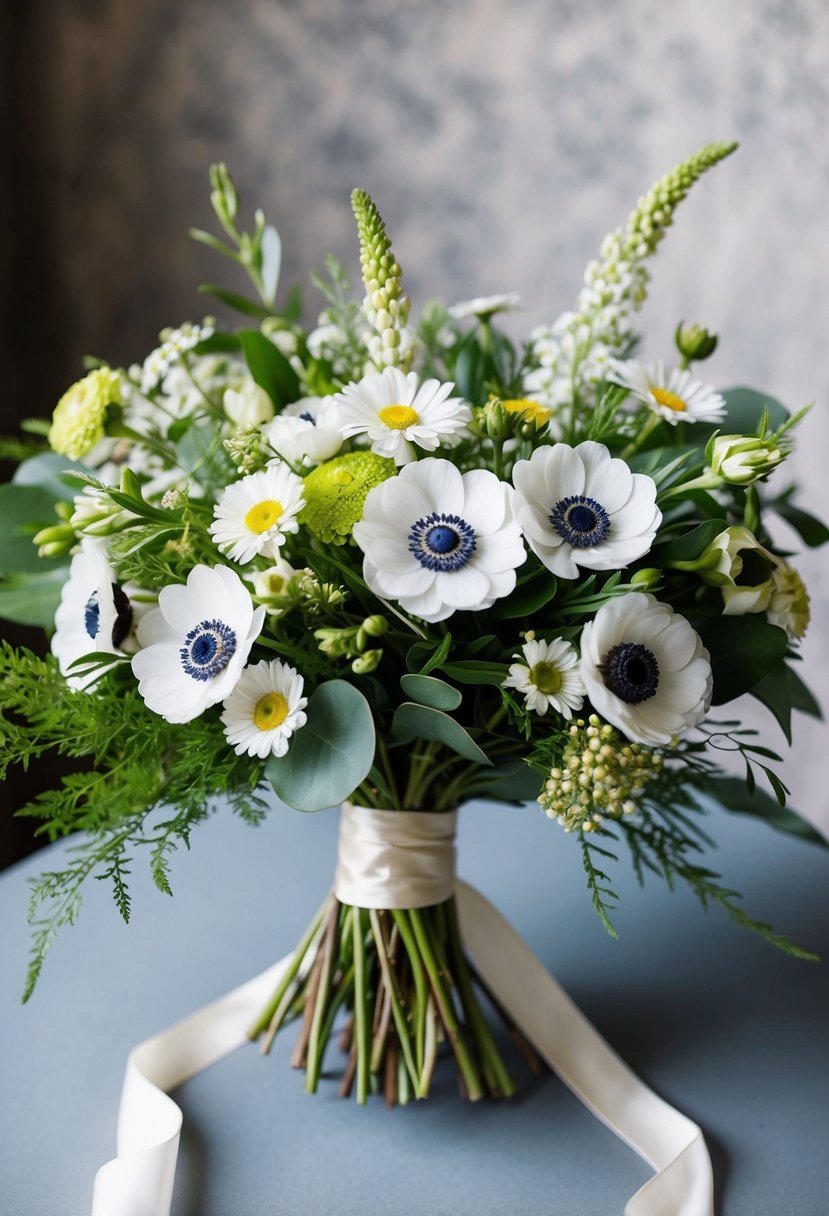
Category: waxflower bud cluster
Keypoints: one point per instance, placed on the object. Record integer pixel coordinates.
(386, 306)
(351, 642)
(600, 774)
(244, 447)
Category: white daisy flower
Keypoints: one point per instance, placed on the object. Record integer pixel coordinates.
(437, 541)
(307, 432)
(675, 396)
(645, 669)
(195, 643)
(398, 414)
(255, 514)
(94, 614)
(248, 405)
(484, 307)
(549, 677)
(264, 709)
(581, 507)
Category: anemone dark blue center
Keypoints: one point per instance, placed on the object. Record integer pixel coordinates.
(92, 615)
(309, 418)
(442, 542)
(207, 649)
(580, 521)
(123, 615)
(631, 672)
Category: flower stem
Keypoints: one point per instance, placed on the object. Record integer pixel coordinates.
(362, 1027)
(270, 1010)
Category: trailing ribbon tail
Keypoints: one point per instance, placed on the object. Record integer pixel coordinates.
(139, 1181)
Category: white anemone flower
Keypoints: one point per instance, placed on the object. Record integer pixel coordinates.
(397, 413)
(438, 541)
(195, 643)
(264, 709)
(307, 432)
(581, 507)
(548, 678)
(94, 614)
(675, 396)
(255, 515)
(248, 405)
(484, 307)
(645, 669)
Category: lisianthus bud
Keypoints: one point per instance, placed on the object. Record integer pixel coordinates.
(648, 579)
(694, 342)
(741, 459)
(375, 626)
(366, 663)
(497, 422)
(55, 540)
(742, 568)
(789, 603)
(249, 406)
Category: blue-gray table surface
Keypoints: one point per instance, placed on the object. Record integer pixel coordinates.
(722, 1026)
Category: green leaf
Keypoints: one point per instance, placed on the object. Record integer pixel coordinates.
(744, 410)
(236, 301)
(743, 650)
(687, 548)
(469, 370)
(801, 696)
(269, 368)
(774, 691)
(329, 757)
(420, 722)
(427, 690)
(527, 598)
(731, 793)
(23, 509)
(812, 531)
(512, 781)
(33, 599)
(292, 309)
(424, 657)
(47, 471)
(475, 671)
(218, 344)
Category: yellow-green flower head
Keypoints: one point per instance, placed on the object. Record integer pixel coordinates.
(336, 491)
(78, 420)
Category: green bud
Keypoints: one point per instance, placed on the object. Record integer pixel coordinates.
(742, 459)
(497, 424)
(224, 197)
(647, 579)
(367, 662)
(55, 540)
(375, 626)
(695, 342)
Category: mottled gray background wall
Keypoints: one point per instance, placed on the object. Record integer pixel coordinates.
(501, 142)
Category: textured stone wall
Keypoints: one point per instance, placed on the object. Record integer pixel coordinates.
(501, 142)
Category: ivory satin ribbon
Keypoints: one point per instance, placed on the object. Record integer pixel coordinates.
(139, 1181)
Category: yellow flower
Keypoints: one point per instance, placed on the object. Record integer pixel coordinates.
(336, 491)
(78, 420)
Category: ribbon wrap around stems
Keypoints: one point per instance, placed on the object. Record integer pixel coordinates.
(139, 1181)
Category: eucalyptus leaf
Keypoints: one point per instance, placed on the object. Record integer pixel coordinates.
(23, 509)
(48, 471)
(269, 368)
(331, 754)
(475, 671)
(743, 650)
(744, 410)
(733, 795)
(413, 721)
(428, 690)
(33, 599)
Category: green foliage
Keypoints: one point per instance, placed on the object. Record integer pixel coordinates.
(413, 721)
(32, 599)
(269, 368)
(141, 764)
(331, 755)
(743, 650)
(24, 509)
(427, 690)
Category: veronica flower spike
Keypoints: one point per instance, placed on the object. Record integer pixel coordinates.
(581, 507)
(397, 413)
(436, 540)
(195, 643)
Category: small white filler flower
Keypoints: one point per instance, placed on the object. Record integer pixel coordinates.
(485, 307)
(307, 432)
(675, 396)
(549, 678)
(264, 709)
(254, 515)
(94, 614)
(645, 669)
(397, 413)
(436, 540)
(581, 507)
(195, 643)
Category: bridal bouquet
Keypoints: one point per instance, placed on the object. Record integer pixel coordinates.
(402, 565)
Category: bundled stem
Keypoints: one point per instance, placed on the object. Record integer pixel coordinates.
(406, 985)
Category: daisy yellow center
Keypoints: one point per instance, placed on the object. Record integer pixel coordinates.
(263, 516)
(546, 677)
(398, 417)
(663, 397)
(270, 711)
(530, 411)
